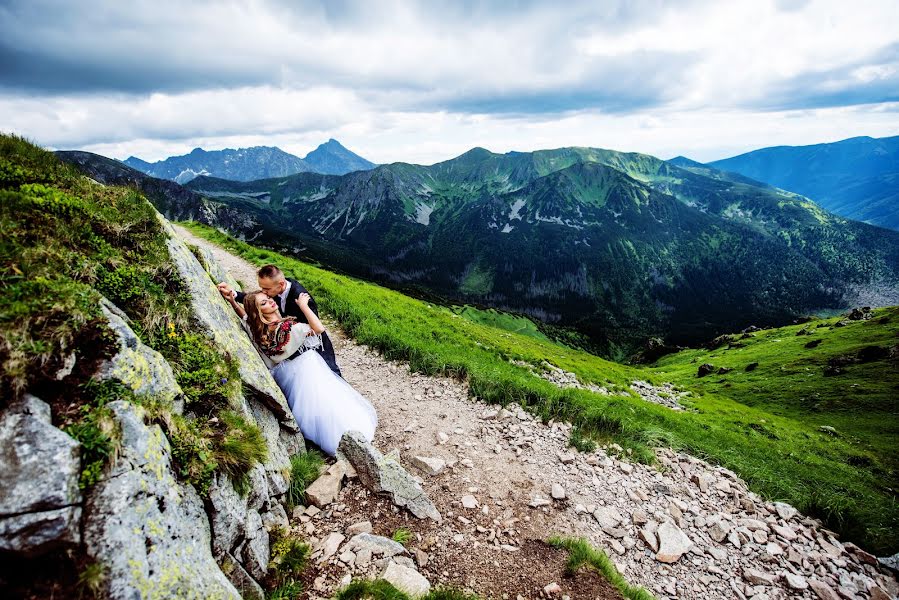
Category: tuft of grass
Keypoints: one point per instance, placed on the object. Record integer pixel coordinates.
(238, 445)
(580, 440)
(402, 536)
(304, 469)
(289, 558)
(379, 589)
(581, 554)
(91, 580)
(97, 432)
(192, 450)
(292, 590)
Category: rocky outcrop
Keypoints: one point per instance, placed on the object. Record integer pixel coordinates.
(39, 468)
(383, 474)
(137, 366)
(218, 320)
(149, 530)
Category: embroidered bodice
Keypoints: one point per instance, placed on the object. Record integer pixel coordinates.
(289, 337)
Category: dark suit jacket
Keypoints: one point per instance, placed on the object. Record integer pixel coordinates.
(291, 309)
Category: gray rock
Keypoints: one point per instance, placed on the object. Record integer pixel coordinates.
(673, 543)
(328, 546)
(648, 535)
(406, 580)
(607, 516)
(149, 530)
(785, 511)
(890, 562)
(375, 544)
(227, 516)
(324, 490)
(361, 527)
(33, 534)
(822, 590)
(258, 497)
(272, 430)
(39, 471)
(381, 474)
(137, 366)
(275, 518)
(719, 530)
(795, 582)
(469, 501)
(756, 577)
(248, 588)
(255, 553)
(427, 464)
(557, 492)
(220, 322)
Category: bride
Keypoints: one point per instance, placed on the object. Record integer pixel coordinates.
(324, 405)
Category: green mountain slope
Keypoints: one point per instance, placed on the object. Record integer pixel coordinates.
(857, 178)
(621, 246)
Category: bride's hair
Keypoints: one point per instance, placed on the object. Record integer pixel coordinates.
(255, 319)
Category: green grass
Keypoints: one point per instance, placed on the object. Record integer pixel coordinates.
(581, 554)
(304, 469)
(402, 536)
(500, 320)
(379, 589)
(781, 456)
(91, 580)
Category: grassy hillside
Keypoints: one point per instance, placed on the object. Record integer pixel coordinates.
(782, 454)
(67, 242)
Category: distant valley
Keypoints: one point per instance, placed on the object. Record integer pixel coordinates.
(856, 178)
(620, 246)
(247, 164)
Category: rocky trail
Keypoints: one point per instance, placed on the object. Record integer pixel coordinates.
(504, 482)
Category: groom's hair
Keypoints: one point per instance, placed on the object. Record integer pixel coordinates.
(270, 272)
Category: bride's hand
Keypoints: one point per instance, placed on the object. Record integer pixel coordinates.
(303, 300)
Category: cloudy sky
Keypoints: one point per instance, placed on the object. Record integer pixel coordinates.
(425, 81)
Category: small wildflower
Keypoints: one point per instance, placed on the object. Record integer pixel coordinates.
(224, 380)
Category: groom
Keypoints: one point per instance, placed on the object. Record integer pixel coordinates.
(285, 292)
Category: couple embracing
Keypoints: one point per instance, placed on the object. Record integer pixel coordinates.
(283, 320)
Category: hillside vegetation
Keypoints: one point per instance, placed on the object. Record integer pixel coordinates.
(776, 445)
(619, 246)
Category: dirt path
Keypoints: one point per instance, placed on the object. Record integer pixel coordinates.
(723, 541)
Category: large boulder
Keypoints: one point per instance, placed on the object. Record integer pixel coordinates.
(383, 474)
(149, 530)
(136, 365)
(218, 320)
(39, 470)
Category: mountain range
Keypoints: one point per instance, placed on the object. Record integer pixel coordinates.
(259, 162)
(857, 178)
(620, 246)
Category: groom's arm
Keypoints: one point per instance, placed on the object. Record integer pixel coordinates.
(296, 288)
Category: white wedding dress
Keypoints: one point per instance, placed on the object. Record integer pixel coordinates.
(324, 405)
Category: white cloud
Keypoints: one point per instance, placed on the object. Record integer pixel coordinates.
(424, 81)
